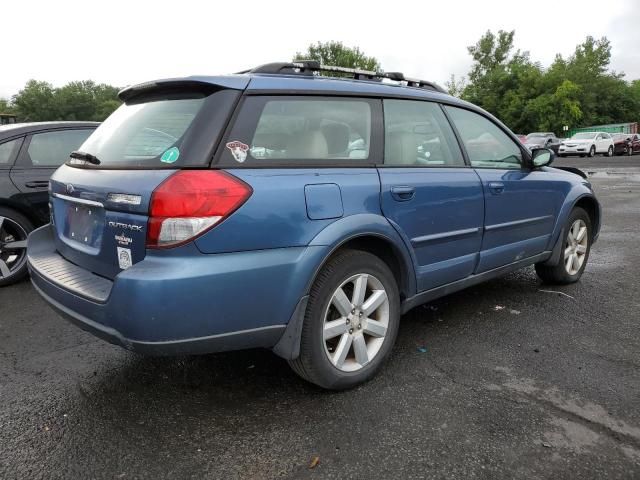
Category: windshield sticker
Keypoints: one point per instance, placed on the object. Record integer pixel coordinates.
(171, 155)
(238, 150)
(124, 258)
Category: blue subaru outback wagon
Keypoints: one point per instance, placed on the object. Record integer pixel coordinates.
(285, 209)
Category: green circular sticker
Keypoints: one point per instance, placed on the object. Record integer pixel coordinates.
(171, 155)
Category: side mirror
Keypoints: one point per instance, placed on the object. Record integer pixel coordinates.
(541, 157)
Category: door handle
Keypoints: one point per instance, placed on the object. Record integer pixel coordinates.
(37, 184)
(496, 187)
(403, 193)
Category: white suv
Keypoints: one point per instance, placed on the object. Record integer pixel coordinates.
(587, 143)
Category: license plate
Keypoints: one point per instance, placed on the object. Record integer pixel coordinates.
(83, 224)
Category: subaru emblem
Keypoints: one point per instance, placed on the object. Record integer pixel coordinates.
(70, 188)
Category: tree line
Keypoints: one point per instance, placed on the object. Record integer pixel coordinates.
(83, 100)
(579, 90)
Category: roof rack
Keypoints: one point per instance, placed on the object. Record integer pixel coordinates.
(313, 67)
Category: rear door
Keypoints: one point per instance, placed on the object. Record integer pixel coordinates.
(431, 197)
(521, 204)
(9, 149)
(39, 157)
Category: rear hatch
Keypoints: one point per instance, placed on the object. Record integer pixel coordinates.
(100, 199)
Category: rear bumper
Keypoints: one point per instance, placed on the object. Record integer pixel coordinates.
(182, 303)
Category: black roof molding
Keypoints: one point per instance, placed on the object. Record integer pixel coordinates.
(313, 68)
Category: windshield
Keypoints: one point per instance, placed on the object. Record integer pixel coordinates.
(584, 135)
(144, 134)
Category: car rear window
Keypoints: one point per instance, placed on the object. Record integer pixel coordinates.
(157, 131)
(300, 131)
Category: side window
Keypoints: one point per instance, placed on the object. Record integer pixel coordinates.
(8, 151)
(52, 149)
(418, 133)
(486, 144)
(300, 130)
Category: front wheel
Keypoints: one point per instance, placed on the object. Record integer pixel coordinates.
(575, 251)
(14, 229)
(351, 321)
(592, 151)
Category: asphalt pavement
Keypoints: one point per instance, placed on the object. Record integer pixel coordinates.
(509, 379)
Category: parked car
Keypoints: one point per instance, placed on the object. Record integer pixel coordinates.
(522, 137)
(542, 140)
(283, 209)
(626, 143)
(587, 143)
(29, 154)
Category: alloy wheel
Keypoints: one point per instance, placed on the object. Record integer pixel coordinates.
(576, 247)
(13, 247)
(356, 322)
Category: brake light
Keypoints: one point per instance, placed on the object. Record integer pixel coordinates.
(189, 203)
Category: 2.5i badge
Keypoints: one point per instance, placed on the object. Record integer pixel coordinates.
(124, 258)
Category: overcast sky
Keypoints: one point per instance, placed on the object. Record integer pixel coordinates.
(124, 42)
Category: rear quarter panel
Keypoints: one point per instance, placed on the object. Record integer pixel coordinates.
(276, 214)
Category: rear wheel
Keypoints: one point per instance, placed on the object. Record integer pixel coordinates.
(610, 152)
(14, 229)
(351, 321)
(575, 251)
(592, 151)
(630, 150)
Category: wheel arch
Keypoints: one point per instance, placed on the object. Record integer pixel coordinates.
(21, 209)
(590, 205)
(385, 250)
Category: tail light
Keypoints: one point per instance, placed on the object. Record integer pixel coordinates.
(189, 203)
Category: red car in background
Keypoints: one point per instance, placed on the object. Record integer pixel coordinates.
(626, 143)
(521, 137)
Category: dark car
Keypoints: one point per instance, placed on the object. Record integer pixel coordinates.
(29, 154)
(284, 209)
(626, 143)
(542, 140)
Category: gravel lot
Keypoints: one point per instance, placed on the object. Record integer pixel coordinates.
(510, 379)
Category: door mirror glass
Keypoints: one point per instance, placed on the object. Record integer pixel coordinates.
(542, 157)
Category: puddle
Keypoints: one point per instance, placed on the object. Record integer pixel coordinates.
(631, 176)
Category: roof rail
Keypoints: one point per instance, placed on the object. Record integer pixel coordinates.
(313, 67)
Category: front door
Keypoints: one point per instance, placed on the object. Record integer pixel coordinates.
(521, 205)
(428, 193)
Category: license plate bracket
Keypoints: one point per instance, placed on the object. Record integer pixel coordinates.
(84, 224)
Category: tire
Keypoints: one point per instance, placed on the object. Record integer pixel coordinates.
(629, 150)
(319, 361)
(14, 229)
(560, 273)
(610, 152)
(592, 151)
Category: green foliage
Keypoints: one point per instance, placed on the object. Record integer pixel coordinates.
(339, 55)
(83, 100)
(578, 90)
(455, 86)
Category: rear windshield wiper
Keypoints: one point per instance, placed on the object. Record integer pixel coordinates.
(87, 157)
